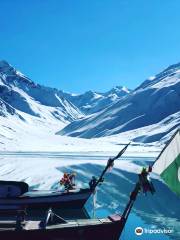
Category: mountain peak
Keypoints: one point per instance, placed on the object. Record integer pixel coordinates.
(92, 94)
(10, 74)
(119, 91)
(4, 63)
(169, 71)
(5, 67)
(169, 76)
(173, 67)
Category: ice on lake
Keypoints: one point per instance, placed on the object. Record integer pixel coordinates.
(43, 171)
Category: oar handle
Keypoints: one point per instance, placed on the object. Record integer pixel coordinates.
(110, 163)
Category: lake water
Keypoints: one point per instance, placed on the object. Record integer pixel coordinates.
(159, 212)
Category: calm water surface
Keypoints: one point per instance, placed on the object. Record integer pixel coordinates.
(160, 211)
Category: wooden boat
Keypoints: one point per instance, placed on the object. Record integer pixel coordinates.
(15, 194)
(55, 227)
(106, 228)
(12, 195)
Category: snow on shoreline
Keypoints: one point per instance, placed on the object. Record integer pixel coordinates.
(36, 136)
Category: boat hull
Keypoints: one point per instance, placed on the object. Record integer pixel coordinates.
(66, 200)
(110, 231)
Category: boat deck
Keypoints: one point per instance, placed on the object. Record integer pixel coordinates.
(30, 225)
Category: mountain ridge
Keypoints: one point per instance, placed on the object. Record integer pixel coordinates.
(150, 103)
(91, 101)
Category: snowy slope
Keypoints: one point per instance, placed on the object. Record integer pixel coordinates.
(92, 102)
(152, 102)
(30, 112)
(157, 133)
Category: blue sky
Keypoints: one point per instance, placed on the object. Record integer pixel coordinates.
(77, 45)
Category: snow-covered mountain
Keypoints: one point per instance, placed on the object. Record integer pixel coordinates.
(156, 100)
(38, 116)
(31, 114)
(19, 94)
(92, 102)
